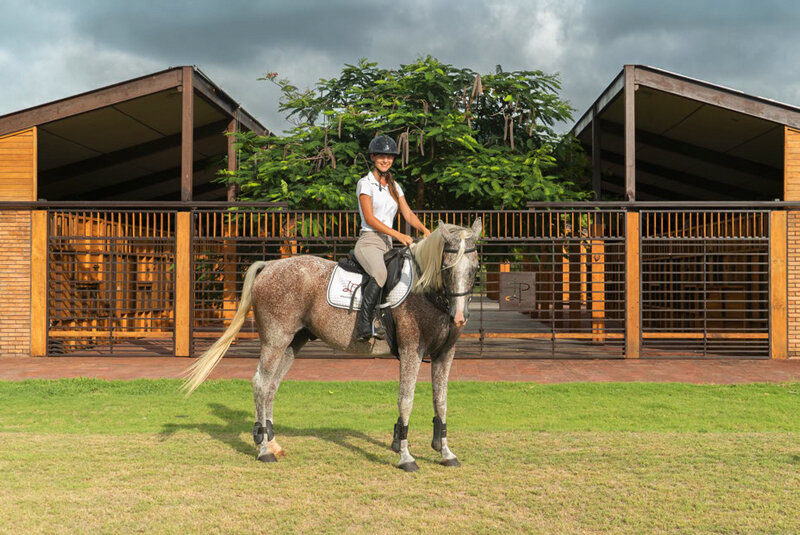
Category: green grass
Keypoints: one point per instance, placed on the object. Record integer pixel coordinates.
(86, 455)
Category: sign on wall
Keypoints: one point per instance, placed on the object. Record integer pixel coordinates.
(517, 291)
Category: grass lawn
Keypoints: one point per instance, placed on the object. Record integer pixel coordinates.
(85, 455)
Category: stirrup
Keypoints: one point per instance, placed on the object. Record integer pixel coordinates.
(378, 333)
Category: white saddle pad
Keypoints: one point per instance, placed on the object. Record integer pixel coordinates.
(344, 283)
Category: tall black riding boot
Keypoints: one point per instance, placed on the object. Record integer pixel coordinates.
(370, 301)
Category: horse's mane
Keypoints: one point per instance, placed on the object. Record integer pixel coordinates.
(428, 255)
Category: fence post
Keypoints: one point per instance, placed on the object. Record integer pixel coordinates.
(39, 283)
(183, 283)
(778, 297)
(633, 327)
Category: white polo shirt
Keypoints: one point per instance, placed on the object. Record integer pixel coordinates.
(384, 206)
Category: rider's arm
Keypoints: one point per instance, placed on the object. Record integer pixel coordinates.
(366, 208)
(411, 217)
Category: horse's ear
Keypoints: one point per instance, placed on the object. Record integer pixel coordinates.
(477, 227)
(440, 223)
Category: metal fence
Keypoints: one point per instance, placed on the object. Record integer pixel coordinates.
(552, 282)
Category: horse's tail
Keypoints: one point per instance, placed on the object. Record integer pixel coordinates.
(199, 371)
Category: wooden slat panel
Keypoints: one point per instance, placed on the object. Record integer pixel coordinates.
(183, 284)
(791, 165)
(39, 283)
(778, 296)
(632, 297)
(18, 166)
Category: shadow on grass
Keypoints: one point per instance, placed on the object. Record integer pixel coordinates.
(236, 422)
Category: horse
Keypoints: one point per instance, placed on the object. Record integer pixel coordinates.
(288, 298)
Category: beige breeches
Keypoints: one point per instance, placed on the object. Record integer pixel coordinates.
(369, 251)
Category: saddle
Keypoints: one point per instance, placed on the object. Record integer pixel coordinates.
(344, 287)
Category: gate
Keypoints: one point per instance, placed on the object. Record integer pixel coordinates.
(705, 283)
(110, 282)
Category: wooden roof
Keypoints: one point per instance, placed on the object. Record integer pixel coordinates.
(693, 140)
(123, 141)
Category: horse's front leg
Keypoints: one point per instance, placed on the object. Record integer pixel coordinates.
(440, 371)
(409, 368)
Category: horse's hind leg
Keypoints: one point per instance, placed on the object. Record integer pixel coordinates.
(440, 371)
(272, 367)
(409, 368)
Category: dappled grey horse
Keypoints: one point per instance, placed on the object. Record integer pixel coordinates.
(288, 298)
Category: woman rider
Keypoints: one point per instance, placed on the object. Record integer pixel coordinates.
(379, 197)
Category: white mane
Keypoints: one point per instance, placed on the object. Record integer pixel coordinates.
(428, 254)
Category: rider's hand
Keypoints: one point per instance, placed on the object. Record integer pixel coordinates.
(405, 239)
(425, 232)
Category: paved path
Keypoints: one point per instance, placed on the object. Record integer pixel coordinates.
(538, 370)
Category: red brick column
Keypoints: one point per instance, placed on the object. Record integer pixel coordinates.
(793, 286)
(15, 283)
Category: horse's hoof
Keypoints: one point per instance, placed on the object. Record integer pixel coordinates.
(268, 458)
(450, 462)
(409, 467)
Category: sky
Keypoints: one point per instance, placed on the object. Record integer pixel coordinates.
(53, 49)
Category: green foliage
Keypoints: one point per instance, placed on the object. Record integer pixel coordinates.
(467, 140)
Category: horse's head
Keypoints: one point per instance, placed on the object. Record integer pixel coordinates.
(448, 261)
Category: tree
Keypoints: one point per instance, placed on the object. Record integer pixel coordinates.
(467, 140)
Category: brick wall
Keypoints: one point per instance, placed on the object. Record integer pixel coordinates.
(15, 283)
(793, 285)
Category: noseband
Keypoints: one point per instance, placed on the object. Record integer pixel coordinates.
(447, 294)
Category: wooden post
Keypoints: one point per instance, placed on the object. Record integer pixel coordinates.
(630, 134)
(778, 295)
(183, 284)
(233, 127)
(229, 268)
(597, 179)
(633, 327)
(187, 133)
(38, 283)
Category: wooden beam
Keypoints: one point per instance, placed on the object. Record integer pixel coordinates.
(778, 286)
(92, 100)
(718, 190)
(630, 134)
(718, 96)
(217, 98)
(597, 181)
(97, 163)
(633, 330)
(183, 284)
(102, 194)
(187, 133)
(38, 283)
(720, 159)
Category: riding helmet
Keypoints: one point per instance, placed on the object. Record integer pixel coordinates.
(383, 145)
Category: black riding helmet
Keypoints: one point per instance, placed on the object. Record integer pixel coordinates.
(383, 145)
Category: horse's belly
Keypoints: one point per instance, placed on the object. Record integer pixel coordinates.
(352, 346)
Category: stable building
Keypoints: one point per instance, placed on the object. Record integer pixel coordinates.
(115, 239)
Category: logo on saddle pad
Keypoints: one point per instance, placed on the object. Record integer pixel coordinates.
(344, 288)
(350, 287)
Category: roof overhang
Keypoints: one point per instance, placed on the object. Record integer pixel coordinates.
(693, 140)
(124, 141)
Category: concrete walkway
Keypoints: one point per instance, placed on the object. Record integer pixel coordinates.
(718, 371)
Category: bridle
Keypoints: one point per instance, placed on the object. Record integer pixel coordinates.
(447, 294)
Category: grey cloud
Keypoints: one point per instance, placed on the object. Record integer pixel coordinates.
(52, 49)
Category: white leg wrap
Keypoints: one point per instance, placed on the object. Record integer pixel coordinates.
(405, 455)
